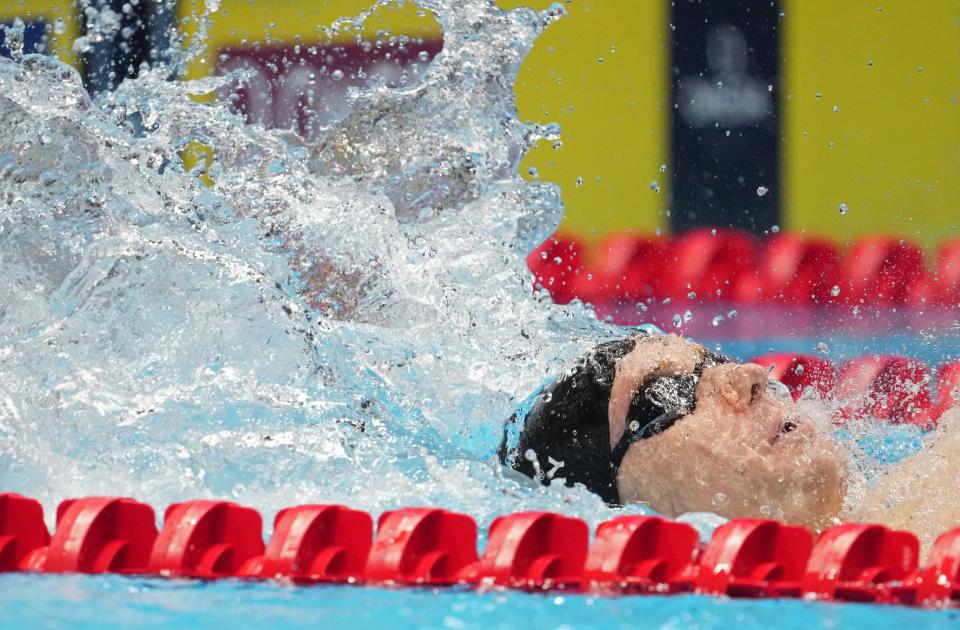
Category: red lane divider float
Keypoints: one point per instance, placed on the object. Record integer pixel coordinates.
(315, 543)
(556, 266)
(887, 388)
(732, 265)
(435, 547)
(948, 389)
(882, 270)
(940, 581)
(709, 264)
(206, 539)
(99, 535)
(532, 550)
(755, 558)
(884, 387)
(798, 270)
(22, 531)
(422, 546)
(642, 554)
(628, 270)
(945, 283)
(861, 563)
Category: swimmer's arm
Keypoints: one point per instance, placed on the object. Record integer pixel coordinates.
(920, 493)
(652, 356)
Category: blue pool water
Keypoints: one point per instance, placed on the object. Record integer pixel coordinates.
(114, 601)
(105, 602)
(78, 601)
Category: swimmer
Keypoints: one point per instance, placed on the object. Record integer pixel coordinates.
(661, 420)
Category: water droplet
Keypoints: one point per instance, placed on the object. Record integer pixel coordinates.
(819, 95)
(775, 229)
(719, 319)
(835, 290)
(692, 295)
(870, 62)
(533, 172)
(843, 208)
(677, 320)
(336, 75)
(663, 168)
(599, 59)
(823, 348)
(14, 39)
(799, 369)
(423, 56)
(654, 186)
(836, 108)
(579, 182)
(731, 314)
(762, 190)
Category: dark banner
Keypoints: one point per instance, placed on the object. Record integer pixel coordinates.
(34, 38)
(725, 151)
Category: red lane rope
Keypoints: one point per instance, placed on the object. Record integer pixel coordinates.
(435, 547)
(886, 387)
(730, 265)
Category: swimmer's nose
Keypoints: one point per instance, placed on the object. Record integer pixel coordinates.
(744, 386)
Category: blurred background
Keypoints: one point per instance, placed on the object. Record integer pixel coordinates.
(835, 123)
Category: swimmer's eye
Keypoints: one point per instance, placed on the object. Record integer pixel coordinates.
(789, 426)
(779, 390)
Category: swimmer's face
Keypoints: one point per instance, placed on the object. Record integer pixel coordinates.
(744, 452)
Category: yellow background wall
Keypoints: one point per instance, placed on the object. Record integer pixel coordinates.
(891, 152)
(614, 114)
(59, 44)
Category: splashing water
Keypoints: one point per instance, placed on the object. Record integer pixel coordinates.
(348, 320)
(343, 320)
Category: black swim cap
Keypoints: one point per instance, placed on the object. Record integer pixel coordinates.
(562, 432)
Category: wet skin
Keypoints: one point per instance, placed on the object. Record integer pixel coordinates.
(745, 451)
